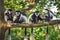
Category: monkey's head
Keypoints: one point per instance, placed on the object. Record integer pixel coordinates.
(9, 11)
(36, 13)
(46, 10)
(23, 12)
(18, 13)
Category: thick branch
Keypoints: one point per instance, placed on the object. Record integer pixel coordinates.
(13, 25)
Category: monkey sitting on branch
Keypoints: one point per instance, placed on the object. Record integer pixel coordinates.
(35, 17)
(19, 17)
(8, 15)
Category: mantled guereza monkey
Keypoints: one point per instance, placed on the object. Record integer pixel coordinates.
(20, 17)
(35, 17)
(8, 15)
(49, 15)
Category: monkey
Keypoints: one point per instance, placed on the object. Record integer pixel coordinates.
(8, 15)
(20, 17)
(35, 17)
(49, 15)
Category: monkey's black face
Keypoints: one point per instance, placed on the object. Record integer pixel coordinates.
(36, 14)
(18, 13)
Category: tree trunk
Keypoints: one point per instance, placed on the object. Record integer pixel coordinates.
(2, 10)
(2, 28)
(2, 33)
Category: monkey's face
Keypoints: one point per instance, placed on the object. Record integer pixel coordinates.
(18, 13)
(37, 14)
(9, 12)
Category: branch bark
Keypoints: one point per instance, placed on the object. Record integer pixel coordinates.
(2, 28)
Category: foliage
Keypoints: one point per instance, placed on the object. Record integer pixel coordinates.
(14, 4)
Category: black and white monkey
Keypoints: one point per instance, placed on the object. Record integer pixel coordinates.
(34, 17)
(8, 15)
(20, 17)
(50, 15)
